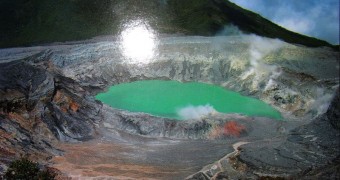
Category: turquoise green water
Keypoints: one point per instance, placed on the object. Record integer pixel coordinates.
(168, 98)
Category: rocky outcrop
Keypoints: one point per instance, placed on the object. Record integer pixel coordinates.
(71, 114)
(37, 111)
(24, 91)
(23, 85)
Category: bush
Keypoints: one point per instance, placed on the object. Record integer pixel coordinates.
(25, 169)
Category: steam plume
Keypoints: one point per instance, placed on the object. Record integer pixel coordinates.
(195, 112)
(259, 48)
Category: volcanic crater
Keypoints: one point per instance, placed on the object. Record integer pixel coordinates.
(48, 107)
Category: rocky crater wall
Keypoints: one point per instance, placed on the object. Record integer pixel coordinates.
(47, 93)
(298, 81)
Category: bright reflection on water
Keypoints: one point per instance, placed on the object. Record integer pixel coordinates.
(138, 42)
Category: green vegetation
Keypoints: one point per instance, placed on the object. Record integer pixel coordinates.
(30, 22)
(25, 169)
(177, 100)
(199, 17)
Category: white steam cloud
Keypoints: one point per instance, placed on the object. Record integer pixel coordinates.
(230, 30)
(195, 112)
(321, 102)
(259, 48)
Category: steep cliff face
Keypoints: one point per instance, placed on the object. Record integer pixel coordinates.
(35, 112)
(24, 92)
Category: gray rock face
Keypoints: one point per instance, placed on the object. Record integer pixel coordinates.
(32, 118)
(333, 113)
(24, 84)
(24, 91)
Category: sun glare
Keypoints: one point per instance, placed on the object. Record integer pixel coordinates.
(138, 42)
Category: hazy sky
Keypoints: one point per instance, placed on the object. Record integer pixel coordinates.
(317, 18)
